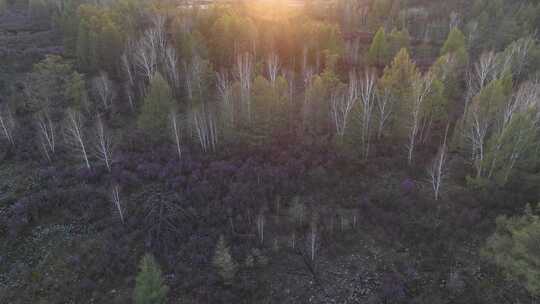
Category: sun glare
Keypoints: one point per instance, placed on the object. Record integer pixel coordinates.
(274, 9)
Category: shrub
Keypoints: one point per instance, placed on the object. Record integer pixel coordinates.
(150, 288)
(515, 248)
(224, 262)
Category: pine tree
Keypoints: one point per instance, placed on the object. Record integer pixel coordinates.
(378, 51)
(223, 261)
(514, 248)
(398, 40)
(456, 45)
(158, 103)
(149, 285)
(398, 79)
(76, 92)
(85, 48)
(380, 10)
(110, 47)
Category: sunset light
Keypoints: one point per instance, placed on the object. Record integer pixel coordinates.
(269, 151)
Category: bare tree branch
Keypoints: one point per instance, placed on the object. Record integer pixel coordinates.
(103, 146)
(74, 135)
(437, 170)
(7, 124)
(47, 134)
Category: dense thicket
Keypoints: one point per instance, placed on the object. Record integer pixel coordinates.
(263, 151)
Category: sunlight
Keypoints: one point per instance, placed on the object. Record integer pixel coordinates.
(274, 9)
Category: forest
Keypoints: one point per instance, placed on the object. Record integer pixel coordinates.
(269, 151)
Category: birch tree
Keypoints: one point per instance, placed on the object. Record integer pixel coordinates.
(244, 69)
(483, 72)
(126, 64)
(196, 73)
(421, 89)
(7, 123)
(225, 91)
(103, 145)
(514, 133)
(171, 65)
(437, 170)
(485, 110)
(477, 136)
(150, 48)
(273, 68)
(342, 103)
(75, 137)
(384, 102)
(176, 132)
(205, 125)
(128, 91)
(367, 99)
(260, 227)
(313, 240)
(104, 90)
(46, 135)
(115, 197)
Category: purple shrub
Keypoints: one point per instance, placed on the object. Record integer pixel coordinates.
(407, 186)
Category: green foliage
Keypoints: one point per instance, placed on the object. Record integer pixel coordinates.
(224, 263)
(270, 105)
(47, 84)
(158, 103)
(230, 28)
(85, 48)
(378, 51)
(320, 38)
(76, 91)
(454, 43)
(520, 135)
(149, 285)
(380, 10)
(499, 23)
(398, 79)
(514, 247)
(110, 46)
(67, 20)
(189, 44)
(318, 92)
(436, 105)
(450, 72)
(99, 40)
(3, 6)
(489, 102)
(398, 40)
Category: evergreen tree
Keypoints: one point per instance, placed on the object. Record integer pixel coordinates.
(380, 10)
(110, 47)
(149, 285)
(514, 247)
(398, 40)
(76, 92)
(223, 261)
(85, 49)
(378, 51)
(456, 45)
(49, 80)
(158, 103)
(398, 79)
